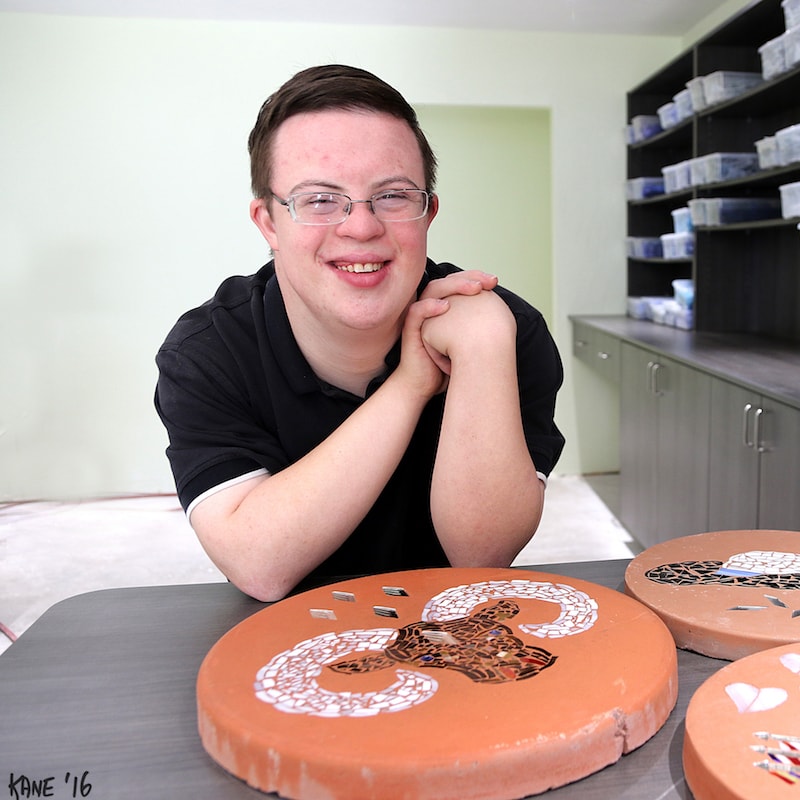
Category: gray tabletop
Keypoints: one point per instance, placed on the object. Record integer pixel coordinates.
(97, 699)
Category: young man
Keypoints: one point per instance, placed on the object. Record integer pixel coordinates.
(354, 407)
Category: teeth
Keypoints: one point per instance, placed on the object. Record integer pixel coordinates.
(360, 267)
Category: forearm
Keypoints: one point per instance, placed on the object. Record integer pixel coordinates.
(486, 498)
(266, 540)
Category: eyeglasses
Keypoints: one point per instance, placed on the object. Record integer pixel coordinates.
(331, 208)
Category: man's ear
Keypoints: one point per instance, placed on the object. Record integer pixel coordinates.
(259, 213)
(433, 207)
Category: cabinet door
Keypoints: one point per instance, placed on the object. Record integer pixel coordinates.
(777, 437)
(638, 437)
(734, 464)
(684, 397)
(664, 447)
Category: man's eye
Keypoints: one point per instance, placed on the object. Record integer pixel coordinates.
(393, 197)
(319, 202)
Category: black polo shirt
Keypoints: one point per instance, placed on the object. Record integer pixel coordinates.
(238, 397)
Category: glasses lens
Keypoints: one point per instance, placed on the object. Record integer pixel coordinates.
(401, 205)
(319, 208)
(329, 208)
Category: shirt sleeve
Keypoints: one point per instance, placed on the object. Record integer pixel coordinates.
(217, 431)
(540, 374)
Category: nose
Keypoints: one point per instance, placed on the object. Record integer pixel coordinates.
(361, 222)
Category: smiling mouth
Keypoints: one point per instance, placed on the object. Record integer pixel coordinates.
(360, 267)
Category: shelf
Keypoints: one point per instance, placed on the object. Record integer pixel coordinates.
(686, 194)
(677, 134)
(746, 275)
(770, 178)
(761, 224)
(782, 90)
(661, 260)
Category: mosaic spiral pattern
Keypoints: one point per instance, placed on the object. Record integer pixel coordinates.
(578, 610)
(289, 681)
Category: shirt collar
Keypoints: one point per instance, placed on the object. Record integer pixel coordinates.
(290, 358)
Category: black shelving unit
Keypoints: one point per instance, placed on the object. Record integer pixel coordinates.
(747, 276)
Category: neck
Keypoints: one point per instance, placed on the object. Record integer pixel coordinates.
(346, 358)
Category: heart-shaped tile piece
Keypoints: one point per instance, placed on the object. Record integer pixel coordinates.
(792, 662)
(749, 698)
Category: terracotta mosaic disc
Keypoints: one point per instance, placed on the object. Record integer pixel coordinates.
(742, 737)
(443, 684)
(725, 594)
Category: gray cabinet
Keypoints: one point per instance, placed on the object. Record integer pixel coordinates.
(664, 446)
(754, 478)
(709, 427)
(597, 349)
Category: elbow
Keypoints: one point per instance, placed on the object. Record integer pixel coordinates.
(265, 589)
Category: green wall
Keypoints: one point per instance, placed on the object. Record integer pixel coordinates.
(495, 194)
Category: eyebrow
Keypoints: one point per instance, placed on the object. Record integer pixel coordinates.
(324, 185)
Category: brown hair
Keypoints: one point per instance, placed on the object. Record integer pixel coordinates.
(322, 88)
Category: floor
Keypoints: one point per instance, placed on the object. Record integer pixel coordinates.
(50, 551)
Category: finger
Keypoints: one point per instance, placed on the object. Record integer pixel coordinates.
(424, 309)
(486, 279)
(468, 283)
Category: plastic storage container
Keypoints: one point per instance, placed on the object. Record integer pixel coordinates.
(767, 149)
(697, 92)
(788, 141)
(791, 47)
(683, 104)
(729, 166)
(698, 174)
(790, 200)
(645, 126)
(644, 247)
(773, 57)
(678, 245)
(668, 115)
(677, 177)
(684, 292)
(680, 317)
(791, 12)
(723, 85)
(641, 307)
(682, 220)
(642, 188)
(655, 308)
(668, 311)
(730, 210)
(697, 211)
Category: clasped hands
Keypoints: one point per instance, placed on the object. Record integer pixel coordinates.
(456, 317)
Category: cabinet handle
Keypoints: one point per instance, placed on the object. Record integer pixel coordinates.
(581, 343)
(603, 356)
(757, 443)
(654, 379)
(746, 441)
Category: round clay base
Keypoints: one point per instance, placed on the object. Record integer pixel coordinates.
(442, 684)
(742, 738)
(725, 594)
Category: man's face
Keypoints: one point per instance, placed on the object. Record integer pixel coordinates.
(357, 154)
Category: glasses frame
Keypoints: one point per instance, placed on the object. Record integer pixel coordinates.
(288, 204)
